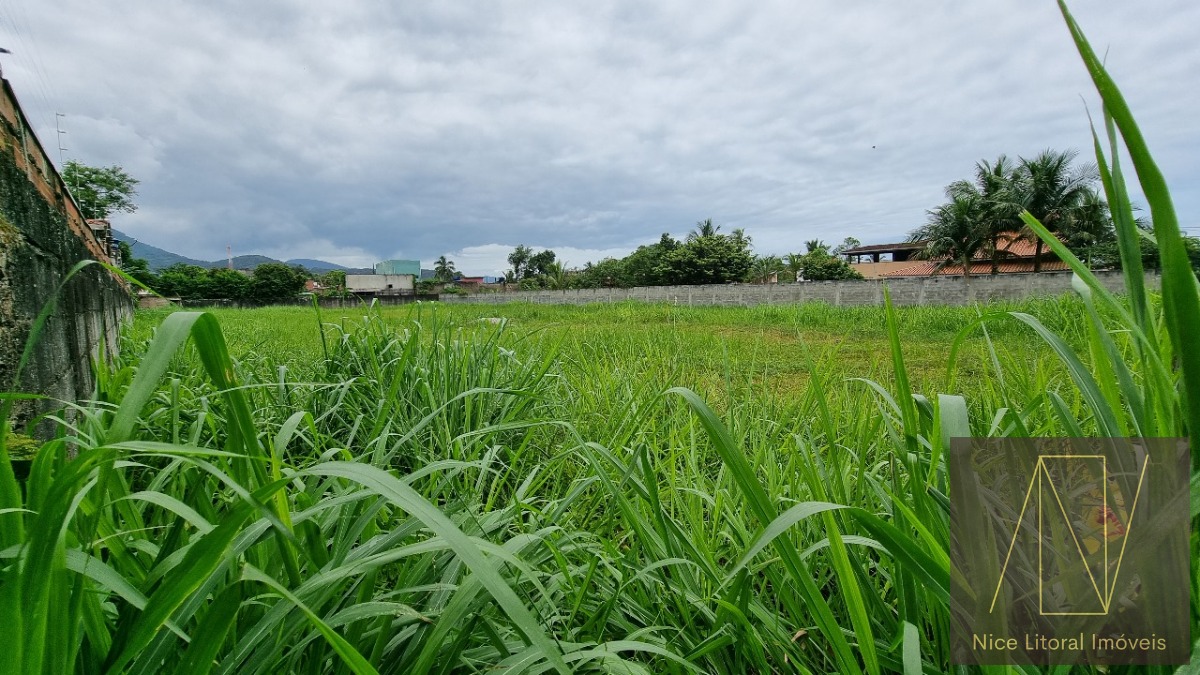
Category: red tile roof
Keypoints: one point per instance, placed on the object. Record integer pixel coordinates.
(1011, 247)
(978, 267)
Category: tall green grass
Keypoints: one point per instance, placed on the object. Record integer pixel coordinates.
(431, 495)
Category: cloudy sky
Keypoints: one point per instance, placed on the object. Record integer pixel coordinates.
(360, 130)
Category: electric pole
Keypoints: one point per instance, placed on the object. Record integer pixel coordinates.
(57, 127)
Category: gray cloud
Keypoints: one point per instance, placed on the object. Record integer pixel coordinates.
(362, 130)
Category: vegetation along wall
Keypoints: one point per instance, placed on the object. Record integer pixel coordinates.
(938, 290)
(42, 236)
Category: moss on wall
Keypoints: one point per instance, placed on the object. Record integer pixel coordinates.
(37, 250)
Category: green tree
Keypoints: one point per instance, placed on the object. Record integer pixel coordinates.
(557, 277)
(765, 266)
(275, 282)
(794, 263)
(137, 268)
(100, 191)
(1106, 254)
(953, 233)
(606, 273)
(818, 264)
(710, 259)
(181, 280)
(997, 187)
(648, 265)
(443, 269)
(333, 280)
(847, 244)
(226, 284)
(519, 259)
(704, 228)
(540, 263)
(1052, 190)
(1089, 227)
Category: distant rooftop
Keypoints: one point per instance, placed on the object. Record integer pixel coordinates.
(884, 248)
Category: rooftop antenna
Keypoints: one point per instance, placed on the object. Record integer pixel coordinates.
(57, 118)
(229, 255)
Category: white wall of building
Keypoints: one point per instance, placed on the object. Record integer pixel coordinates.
(380, 283)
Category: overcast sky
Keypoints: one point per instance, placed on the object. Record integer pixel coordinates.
(359, 130)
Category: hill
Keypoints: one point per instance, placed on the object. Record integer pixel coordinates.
(159, 259)
(244, 262)
(316, 265)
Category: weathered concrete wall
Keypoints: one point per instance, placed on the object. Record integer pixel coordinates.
(42, 236)
(905, 291)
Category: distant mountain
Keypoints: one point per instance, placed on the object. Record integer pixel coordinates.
(243, 262)
(316, 265)
(159, 259)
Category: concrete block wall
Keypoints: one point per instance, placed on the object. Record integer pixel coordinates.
(904, 291)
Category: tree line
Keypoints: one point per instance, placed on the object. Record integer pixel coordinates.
(266, 283)
(704, 256)
(982, 215)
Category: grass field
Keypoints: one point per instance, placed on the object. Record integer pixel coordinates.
(622, 489)
(629, 516)
(724, 353)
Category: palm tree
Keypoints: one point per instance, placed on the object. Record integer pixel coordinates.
(953, 233)
(1089, 225)
(814, 245)
(764, 266)
(740, 238)
(704, 228)
(557, 278)
(996, 186)
(443, 269)
(794, 262)
(1052, 190)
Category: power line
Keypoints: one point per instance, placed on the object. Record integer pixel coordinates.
(28, 58)
(39, 60)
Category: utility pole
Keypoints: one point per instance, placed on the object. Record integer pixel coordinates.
(229, 255)
(57, 127)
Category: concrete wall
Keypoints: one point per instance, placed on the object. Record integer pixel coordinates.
(381, 283)
(42, 236)
(905, 291)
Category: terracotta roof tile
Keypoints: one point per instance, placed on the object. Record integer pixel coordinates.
(978, 268)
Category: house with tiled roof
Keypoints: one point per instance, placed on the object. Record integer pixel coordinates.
(888, 261)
